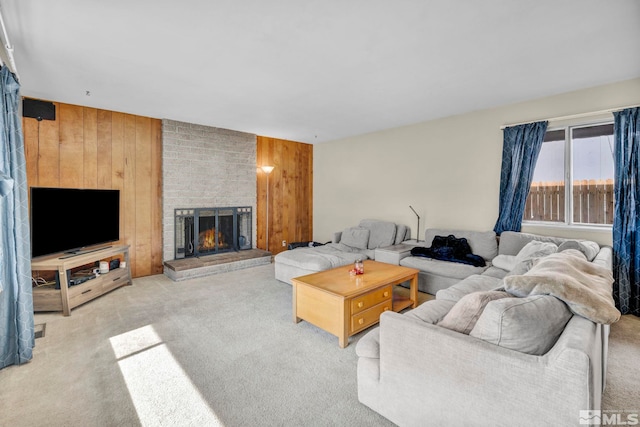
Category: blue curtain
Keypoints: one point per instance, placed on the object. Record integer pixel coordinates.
(520, 150)
(16, 302)
(626, 220)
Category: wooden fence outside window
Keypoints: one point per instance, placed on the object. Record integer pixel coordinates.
(592, 202)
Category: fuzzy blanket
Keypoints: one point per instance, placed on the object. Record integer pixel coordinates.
(584, 286)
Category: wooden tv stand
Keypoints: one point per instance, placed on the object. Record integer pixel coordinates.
(68, 297)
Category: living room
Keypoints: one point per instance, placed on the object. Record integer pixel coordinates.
(444, 161)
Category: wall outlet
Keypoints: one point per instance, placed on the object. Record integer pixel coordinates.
(284, 243)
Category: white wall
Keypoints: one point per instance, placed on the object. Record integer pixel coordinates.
(447, 169)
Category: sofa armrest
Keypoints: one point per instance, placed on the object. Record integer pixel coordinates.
(453, 370)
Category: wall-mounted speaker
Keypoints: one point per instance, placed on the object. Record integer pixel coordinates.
(36, 109)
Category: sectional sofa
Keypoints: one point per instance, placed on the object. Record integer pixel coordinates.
(515, 345)
(347, 246)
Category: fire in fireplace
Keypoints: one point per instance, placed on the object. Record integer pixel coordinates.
(206, 231)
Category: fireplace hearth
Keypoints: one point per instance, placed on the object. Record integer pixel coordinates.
(207, 231)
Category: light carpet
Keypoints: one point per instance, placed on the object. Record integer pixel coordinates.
(217, 350)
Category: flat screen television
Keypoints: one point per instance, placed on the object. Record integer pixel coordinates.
(72, 220)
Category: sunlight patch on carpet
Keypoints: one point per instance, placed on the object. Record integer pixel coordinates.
(160, 390)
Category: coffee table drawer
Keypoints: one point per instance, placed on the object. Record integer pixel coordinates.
(369, 317)
(368, 300)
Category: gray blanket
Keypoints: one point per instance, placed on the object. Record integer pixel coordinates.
(584, 286)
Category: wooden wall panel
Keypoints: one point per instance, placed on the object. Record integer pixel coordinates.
(48, 173)
(89, 148)
(156, 197)
(290, 192)
(128, 199)
(104, 149)
(143, 195)
(71, 146)
(31, 135)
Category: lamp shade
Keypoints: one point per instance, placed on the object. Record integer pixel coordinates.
(267, 169)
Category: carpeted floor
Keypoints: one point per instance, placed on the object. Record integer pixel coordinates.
(218, 350)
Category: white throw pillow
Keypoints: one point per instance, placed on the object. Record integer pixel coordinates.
(505, 262)
(533, 247)
(529, 254)
(465, 313)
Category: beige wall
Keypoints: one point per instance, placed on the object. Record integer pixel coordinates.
(447, 169)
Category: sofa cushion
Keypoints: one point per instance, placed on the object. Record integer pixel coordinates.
(449, 269)
(431, 311)
(529, 325)
(483, 243)
(472, 283)
(356, 237)
(495, 272)
(320, 258)
(382, 233)
(588, 248)
(465, 313)
(511, 242)
(401, 233)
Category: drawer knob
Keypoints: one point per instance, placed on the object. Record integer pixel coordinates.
(360, 304)
(360, 321)
(386, 293)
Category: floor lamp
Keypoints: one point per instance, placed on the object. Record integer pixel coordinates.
(267, 170)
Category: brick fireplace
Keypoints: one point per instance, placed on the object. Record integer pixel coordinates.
(206, 166)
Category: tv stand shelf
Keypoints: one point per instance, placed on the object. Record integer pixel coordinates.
(66, 298)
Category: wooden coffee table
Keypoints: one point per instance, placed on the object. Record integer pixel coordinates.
(344, 305)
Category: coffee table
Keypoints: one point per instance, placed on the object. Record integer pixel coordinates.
(344, 305)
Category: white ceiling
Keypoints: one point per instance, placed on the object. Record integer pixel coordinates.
(317, 70)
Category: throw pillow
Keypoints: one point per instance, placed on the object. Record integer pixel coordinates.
(505, 262)
(534, 247)
(401, 234)
(465, 313)
(528, 255)
(529, 325)
(356, 237)
(381, 233)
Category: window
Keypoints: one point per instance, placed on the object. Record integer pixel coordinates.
(582, 156)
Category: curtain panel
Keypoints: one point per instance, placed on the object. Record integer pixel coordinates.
(16, 302)
(520, 150)
(626, 220)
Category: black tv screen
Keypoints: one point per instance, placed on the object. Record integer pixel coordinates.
(71, 219)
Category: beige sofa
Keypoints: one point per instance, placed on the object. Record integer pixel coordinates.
(526, 361)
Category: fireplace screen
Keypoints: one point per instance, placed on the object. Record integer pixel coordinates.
(205, 231)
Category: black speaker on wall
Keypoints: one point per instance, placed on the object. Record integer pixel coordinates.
(36, 109)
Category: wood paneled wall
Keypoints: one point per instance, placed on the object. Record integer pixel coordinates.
(90, 148)
(290, 192)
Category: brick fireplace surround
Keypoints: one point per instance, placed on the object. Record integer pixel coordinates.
(204, 166)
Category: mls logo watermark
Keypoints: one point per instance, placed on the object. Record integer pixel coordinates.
(591, 417)
(609, 418)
